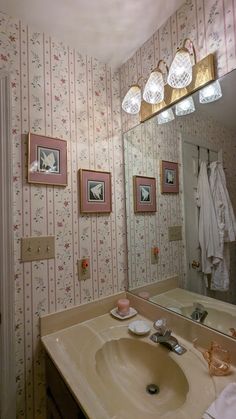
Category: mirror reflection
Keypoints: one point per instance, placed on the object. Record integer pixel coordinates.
(180, 173)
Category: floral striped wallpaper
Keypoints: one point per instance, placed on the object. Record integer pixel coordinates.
(58, 92)
(210, 24)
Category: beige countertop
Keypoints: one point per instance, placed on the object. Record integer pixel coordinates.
(107, 369)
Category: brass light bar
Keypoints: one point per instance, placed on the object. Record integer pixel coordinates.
(203, 73)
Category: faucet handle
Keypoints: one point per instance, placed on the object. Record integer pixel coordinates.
(198, 306)
(161, 326)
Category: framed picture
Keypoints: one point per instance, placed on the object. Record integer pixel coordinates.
(95, 191)
(144, 194)
(169, 177)
(47, 160)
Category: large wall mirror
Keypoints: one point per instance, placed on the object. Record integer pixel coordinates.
(164, 257)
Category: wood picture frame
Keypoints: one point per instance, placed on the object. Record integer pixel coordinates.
(95, 191)
(144, 194)
(169, 177)
(47, 160)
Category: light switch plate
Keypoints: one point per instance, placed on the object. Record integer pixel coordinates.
(175, 233)
(84, 274)
(37, 248)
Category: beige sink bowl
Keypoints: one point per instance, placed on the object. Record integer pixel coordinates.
(127, 366)
(107, 369)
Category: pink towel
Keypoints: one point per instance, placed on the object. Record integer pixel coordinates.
(224, 407)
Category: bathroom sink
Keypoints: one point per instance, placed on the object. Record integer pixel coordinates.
(109, 371)
(128, 366)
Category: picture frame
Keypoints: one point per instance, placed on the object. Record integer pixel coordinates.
(144, 194)
(95, 191)
(169, 177)
(47, 160)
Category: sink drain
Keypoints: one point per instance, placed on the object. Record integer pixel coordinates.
(152, 389)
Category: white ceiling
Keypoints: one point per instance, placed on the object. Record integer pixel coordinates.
(110, 30)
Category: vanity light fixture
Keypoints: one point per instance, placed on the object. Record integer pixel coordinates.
(154, 89)
(185, 107)
(132, 101)
(210, 93)
(165, 116)
(189, 79)
(180, 74)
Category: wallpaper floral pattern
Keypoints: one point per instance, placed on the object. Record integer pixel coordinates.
(210, 24)
(58, 92)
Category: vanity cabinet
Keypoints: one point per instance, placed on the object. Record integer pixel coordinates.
(60, 402)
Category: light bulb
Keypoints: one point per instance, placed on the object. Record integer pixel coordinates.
(185, 107)
(154, 89)
(165, 116)
(132, 100)
(180, 74)
(210, 93)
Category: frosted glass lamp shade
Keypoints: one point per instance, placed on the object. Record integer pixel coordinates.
(132, 100)
(154, 89)
(185, 107)
(165, 116)
(180, 73)
(210, 93)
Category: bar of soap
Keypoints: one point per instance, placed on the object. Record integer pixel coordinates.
(123, 306)
(140, 326)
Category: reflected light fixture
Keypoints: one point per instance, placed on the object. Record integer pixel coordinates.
(132, 100)
(210, 93)
(154, 89)
(180, 74)
(185, 107)
(165, 116)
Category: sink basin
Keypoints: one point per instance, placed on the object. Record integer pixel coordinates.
(108, 370)
(127, 366)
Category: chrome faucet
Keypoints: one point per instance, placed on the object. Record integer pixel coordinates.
(199, 313)
(164, 337)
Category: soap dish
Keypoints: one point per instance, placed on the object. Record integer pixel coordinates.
(132, 312)
(139, 327)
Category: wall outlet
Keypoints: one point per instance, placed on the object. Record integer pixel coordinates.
(154, 255)
(37, 248)
(84, 271)
(175, 233)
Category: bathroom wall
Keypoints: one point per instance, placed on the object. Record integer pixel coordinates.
(58, 92)
(145, 146)
(210, 24)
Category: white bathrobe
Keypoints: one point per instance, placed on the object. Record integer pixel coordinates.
(209, 239)
(226, 225)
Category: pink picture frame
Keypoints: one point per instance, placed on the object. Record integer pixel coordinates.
(47, 160)
(95, 191)
(169, 177)
(144, 194)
